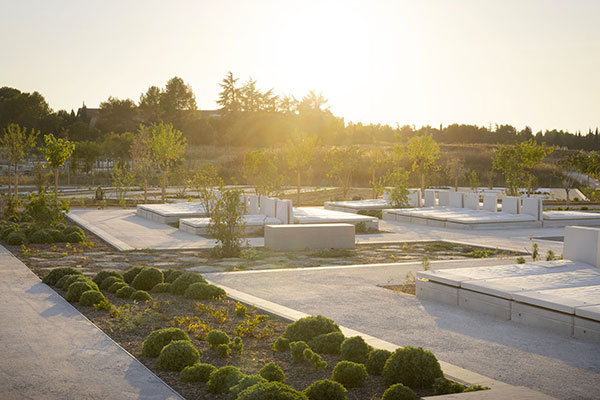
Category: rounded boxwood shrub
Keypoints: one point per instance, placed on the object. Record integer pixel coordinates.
(7, 230)
(298, 350)
(75, 237)
(413, 367)
(73, 228)
(177, 355)
(203, 291)
(271, 391)
(171, 275)
(130, 274)
(15, 238)
(114, 288)
(41, 236)
(327, 343)
(108, 282)
(308, 327)
(102, 275)
(355, 349)
(184, 280)
(246, 382)
(349, 374)
(57, 273)
(197, 373)
(77, 288)
(376, 361)
(60, 227)
(75, 278)
(147, 278)
(272, 372)
(159, 338)
(60, 283)
(223, 379)
(57, 236)
(223, 350)
(125, 292)
(445, 386)
(399, 392)
(140, 295)
(91, 298)
(217, 337)
(237, 345)
(281, 344)
(325, 389)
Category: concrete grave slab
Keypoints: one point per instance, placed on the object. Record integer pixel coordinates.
(457, 199)
(490, 202)
(171, 212)
(583, 244)
(414, 198)
(268, 206)
(316, 215)
(472, 201)
(443, 198)
(283, 211)
(253, 208)
(309, 236)
(532, 206)
(429, 198)
(511, 205)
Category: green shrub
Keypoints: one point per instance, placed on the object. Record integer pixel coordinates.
(445, 386)
(244, 384)
(281, 344)
(307, 328)
(108, 282)
(223, 350)
(114, 288)
(125, 292)
(77, 288)
(184, 280)
(159, 338)
(317, 361)
(413, 367)
(217, 337)
(223, 379)
(272, 372)
(271, 391)
(104, 305)
(73, 228)
(75, 278)
(307, 354)
(130, 274)
(91, 298)
(197, 373)
(162, 288)
(520, 260)
(355, 349)
(327, 343)
(7, 230)
(325, 389)
(41, 236)
(298, 350)
(60, 227)
(57, 273)
(399, 392)
(376, 361)
(15, 238)
(171, 276)
(102, 275)
(147, 278)
(349, 374)
(56, 235)
(75, 237)
(60, 283)
(177, 355)
(474, 388)
(203, 291)
(237, 345)
(140, 295)
(240, 310)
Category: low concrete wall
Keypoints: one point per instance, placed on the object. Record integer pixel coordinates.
(309, 236)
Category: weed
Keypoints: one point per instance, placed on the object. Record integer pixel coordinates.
(251, 326)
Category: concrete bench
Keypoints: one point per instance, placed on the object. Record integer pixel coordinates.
(309, 236)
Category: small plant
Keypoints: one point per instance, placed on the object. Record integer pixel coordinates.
(307, 354)
(325, 389)
(91, 298)
(223, 350)
(227, 224)
(535, 251)
(218, 314)
(57, 273)
(520, 260)
(376, 361)
(281, 344)
(217, 337)
(413, 367)
(349, 374)
(108, 282)
(298, 350)
(240, 309)
(171, 276)
(271, 390)
(327, 343)
(102, 275)
(177, 355)
(141, 295)
(184, 280)
(114, 288)
(550, 256)
(16, 238)
(318, 362)
(197, 373)
(272, 372)
(147, 278)
(203, 291)
(445, 386)
(221, 380)
(75, 278)
(130, 275)
(162, 288)
(104, 305)
(307, 328)
(125, 292)
(237, 345)
(245, 383)
(476, 388)
(355, 349)
(159, 338)
(399, 392)
(60, 283)
(77, 288)
(250, 326)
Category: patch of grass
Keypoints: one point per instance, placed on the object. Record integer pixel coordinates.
(332, 253)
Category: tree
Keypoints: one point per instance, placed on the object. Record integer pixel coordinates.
(117, 115)
(398, 181)
(423, 152)
(150, 106)
(227, 224)
(473, 180)
(85, 156)
(141, 154)
(122, 179)
(57, 151)
(313, 102)
(206, 182)
(517, 161)
(343, 163)
(117, 146)
(250, 96)
(261, 172)
(168, 147)
(229, 98)
(377, 161)
(456, 169)
(564, 171)
(176, 99)
(17, 144)
(299, 153)
(25, 109)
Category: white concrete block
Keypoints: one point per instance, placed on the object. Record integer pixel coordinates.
(586, 329)
(290, 211)
(268, 206)
(429, 198)
(472, 201)
(436, 292)
(387, 192)
(414, 198)
(443, 198)
(490, 202)
(541, 318)
(457, 199)
(491, 305)
(532, 206)
(582, 244)
(511, 205)
(253, 207)
(283, 211)
(309, 236)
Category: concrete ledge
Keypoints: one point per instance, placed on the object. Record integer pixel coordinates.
(437, 292)
(542, 318)
(107, 237)
(491, 305)
(586, 329)
(309, 236)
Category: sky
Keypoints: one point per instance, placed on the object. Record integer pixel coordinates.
(426, 62)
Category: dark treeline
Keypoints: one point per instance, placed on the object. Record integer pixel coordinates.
(248, 117)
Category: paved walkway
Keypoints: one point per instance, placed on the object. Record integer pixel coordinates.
(50, 351)
(502, 350)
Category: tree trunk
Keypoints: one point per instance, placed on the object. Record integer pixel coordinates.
(56, 180)
(423, 184)
(16, 182)
(163, 185)
(373, 184)
(456, 183)
(145, 190)
(9, 181)
(298, 187)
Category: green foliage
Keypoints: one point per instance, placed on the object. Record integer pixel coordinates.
(53, 276)
(272, 372)
(550, 256)
(103, 305)
(73, 228)
(298, 350)
(327, 343)
(205, 182)
(317, 361)
(8, 229)
(77, 288)
(376, 361)
(240, 309)
(177, 355)
(227, 224)
(108, 282)
(325, 389)
(184, 280)
(41, 236)
(308, 327)
(475, 388)
(223, 350)
(423, 152)
(445, 386)
(159, 338)
(237, 345)
(102, 275)
(171, 275)
(355, 349)
(349, 374)
(74, 237)
(130, 274)
(16, 238)
(397, 179)
(261, 172)
(147, 278)
(74, 278)
(57, 151)
(520, 260)
(125, 292)
(60, 283)
(307, 354)
(162, 288)
(399, 392)
(217, 337)
(223, 379)
(167, 147)
(197, 373)
(413, 367)
(535, 251)
(140, 295)
(281, 344)
(343, 163)
(246, 382)
(46, 209)
(114, 288)
(271, 391)
(203, 291)
(91, 298)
